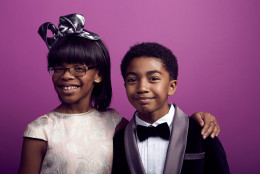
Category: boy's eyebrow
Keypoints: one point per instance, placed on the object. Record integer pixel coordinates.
(130, 73)
(153, 72)
(147, 73)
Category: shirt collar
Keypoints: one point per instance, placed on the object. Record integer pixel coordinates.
(168, 118)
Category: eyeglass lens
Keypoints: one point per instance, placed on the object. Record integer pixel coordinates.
(74, 71)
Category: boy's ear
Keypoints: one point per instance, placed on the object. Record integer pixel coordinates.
(172, 87)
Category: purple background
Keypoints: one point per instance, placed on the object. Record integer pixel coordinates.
(216, 43)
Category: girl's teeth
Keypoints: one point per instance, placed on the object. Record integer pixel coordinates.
(69, 87)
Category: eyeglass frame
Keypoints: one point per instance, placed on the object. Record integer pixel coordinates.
(68, 69)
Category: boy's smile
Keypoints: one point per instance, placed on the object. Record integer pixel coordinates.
(148, 86)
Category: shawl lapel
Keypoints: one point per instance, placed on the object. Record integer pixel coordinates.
(177, 144)
(131, 149)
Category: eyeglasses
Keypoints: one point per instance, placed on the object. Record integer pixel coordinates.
(74, 71)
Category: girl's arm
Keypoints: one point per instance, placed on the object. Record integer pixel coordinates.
(33, 152)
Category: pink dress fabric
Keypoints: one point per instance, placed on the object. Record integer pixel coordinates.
(76, 143)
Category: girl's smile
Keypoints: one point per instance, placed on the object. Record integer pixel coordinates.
(75, 89)
(69, 89)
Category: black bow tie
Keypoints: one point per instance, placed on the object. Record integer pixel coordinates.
(162, 130)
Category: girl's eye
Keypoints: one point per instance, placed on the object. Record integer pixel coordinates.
(58, 69)
(79, 68)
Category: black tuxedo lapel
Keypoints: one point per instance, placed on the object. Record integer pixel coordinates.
(131, 149)
(177, 144)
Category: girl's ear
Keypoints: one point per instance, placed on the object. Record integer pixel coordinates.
(98, 78)
(172, 87)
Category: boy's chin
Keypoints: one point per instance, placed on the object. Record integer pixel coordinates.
(142, 110)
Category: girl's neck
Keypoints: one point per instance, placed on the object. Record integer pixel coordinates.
(73, 108)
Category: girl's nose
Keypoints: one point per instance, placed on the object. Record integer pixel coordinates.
(67, 75)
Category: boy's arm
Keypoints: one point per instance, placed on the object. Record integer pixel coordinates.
(33, 152)
(120, 164)
(215, 157)
(208, 122)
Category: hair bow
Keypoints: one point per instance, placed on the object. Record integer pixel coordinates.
(70, 24)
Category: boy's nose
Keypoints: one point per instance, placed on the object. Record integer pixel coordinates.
(143, 86)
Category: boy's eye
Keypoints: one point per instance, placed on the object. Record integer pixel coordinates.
(130, 80)
(154, 78)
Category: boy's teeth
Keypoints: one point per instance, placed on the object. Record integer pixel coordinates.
(69, 87)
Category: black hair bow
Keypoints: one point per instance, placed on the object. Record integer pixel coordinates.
(69, 24)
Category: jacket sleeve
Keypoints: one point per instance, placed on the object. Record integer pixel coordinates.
(120, 164)
(215, 157)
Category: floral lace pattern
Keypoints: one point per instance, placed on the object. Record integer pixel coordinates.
(76, 143)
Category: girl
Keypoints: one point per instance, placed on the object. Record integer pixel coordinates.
(77, 136)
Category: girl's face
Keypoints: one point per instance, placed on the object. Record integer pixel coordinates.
(74, 89)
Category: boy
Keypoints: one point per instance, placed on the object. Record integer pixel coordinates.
(160, 138)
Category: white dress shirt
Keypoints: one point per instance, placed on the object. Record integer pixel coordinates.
(153, 150)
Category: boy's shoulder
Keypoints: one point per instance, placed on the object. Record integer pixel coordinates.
(119, 136)
(194, 127)
(195, 139)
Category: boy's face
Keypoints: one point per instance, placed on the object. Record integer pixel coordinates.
(148, 86)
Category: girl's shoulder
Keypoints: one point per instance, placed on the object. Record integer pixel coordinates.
(42, 120)
(112, 115)
(109, 111)
(38, 127)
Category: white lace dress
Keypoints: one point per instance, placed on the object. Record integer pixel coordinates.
(76, 143)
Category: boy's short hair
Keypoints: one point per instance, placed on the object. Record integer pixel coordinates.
(152, 49)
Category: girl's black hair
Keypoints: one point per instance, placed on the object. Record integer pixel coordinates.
(74, 49)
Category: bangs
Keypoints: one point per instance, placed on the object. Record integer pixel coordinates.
(73, 50)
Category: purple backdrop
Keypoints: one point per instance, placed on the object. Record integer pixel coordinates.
(216, 42)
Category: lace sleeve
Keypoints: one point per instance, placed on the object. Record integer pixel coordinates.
(37, 129)
(116, 118)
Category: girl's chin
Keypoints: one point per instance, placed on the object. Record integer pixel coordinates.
(68, 100)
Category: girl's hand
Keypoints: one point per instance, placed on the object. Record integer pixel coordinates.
(208, 122)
